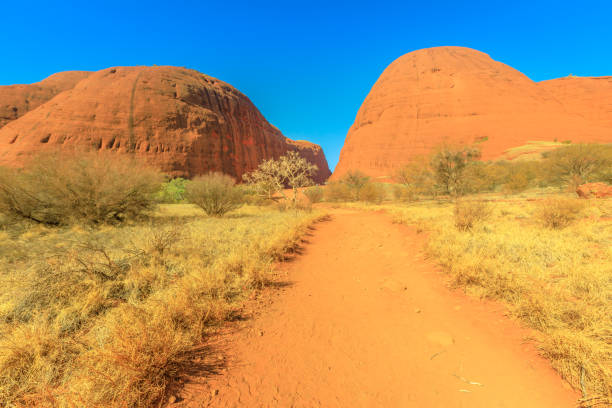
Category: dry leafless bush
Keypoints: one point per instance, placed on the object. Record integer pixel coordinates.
(60, 188)
(558, 213)
(468, 213)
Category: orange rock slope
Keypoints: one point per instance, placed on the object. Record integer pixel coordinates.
(457, 95)
(178, 119)
(17, 100)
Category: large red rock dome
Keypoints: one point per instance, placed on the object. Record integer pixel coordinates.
(458, 95)
(178, 119)
(17, 100)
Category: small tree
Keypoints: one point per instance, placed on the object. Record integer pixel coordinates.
(449, 165)
(584, 162)
(266, 180)
(355, 180)
(290, 170)
(417, 178)
(215, 193)
(296, 172)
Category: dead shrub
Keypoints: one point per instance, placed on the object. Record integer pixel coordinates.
(558, 213)
(215, 193)
(468, 213)
(61, 188)
(143, 355)
(162, 239)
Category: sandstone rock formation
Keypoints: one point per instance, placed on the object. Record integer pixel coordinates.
(17, 100)
(178, 119)
(597, 190)
(589, 97)
(457, 95)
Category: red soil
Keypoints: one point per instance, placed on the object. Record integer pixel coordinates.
(597, 190)
(457, 95)
(367, 322)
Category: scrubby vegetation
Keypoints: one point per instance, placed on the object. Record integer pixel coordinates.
(468, 213)
(272, 176)
(215, 193)
(548, 258)
(172, 191)
(59, 189)
(314, 194)
(109, 316)
(355, 186)
(558, 213)
(453, 171)
(555, 280)
(104, 294)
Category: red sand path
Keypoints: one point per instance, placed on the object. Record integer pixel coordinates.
(368, 322)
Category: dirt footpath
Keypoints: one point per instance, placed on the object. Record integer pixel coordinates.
(367, 321)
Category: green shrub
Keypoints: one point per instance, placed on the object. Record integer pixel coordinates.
(61, 188)
(449, 166)
(558, 213)
(468, 213)
(314, 194)
(173, 191)
(215, 193)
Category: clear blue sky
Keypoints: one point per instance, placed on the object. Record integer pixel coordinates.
(306, 65)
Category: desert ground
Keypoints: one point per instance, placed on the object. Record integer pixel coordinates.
(364, 320)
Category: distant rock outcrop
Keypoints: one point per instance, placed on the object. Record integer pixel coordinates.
(457, 95)
(597, 190)
(17, 100)
(184, 122)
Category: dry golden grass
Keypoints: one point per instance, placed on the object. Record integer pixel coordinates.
(555, 280)
(109, 316)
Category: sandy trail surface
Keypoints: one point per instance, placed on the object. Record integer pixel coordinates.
(366, 321)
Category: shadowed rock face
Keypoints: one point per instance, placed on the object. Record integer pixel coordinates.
(457, 95)
(184, 122)
(17, 100)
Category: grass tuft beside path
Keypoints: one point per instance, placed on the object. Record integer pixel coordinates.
(558, 281)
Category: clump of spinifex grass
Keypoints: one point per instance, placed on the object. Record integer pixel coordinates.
(468, 213)
(557, 280)
(108, 316)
